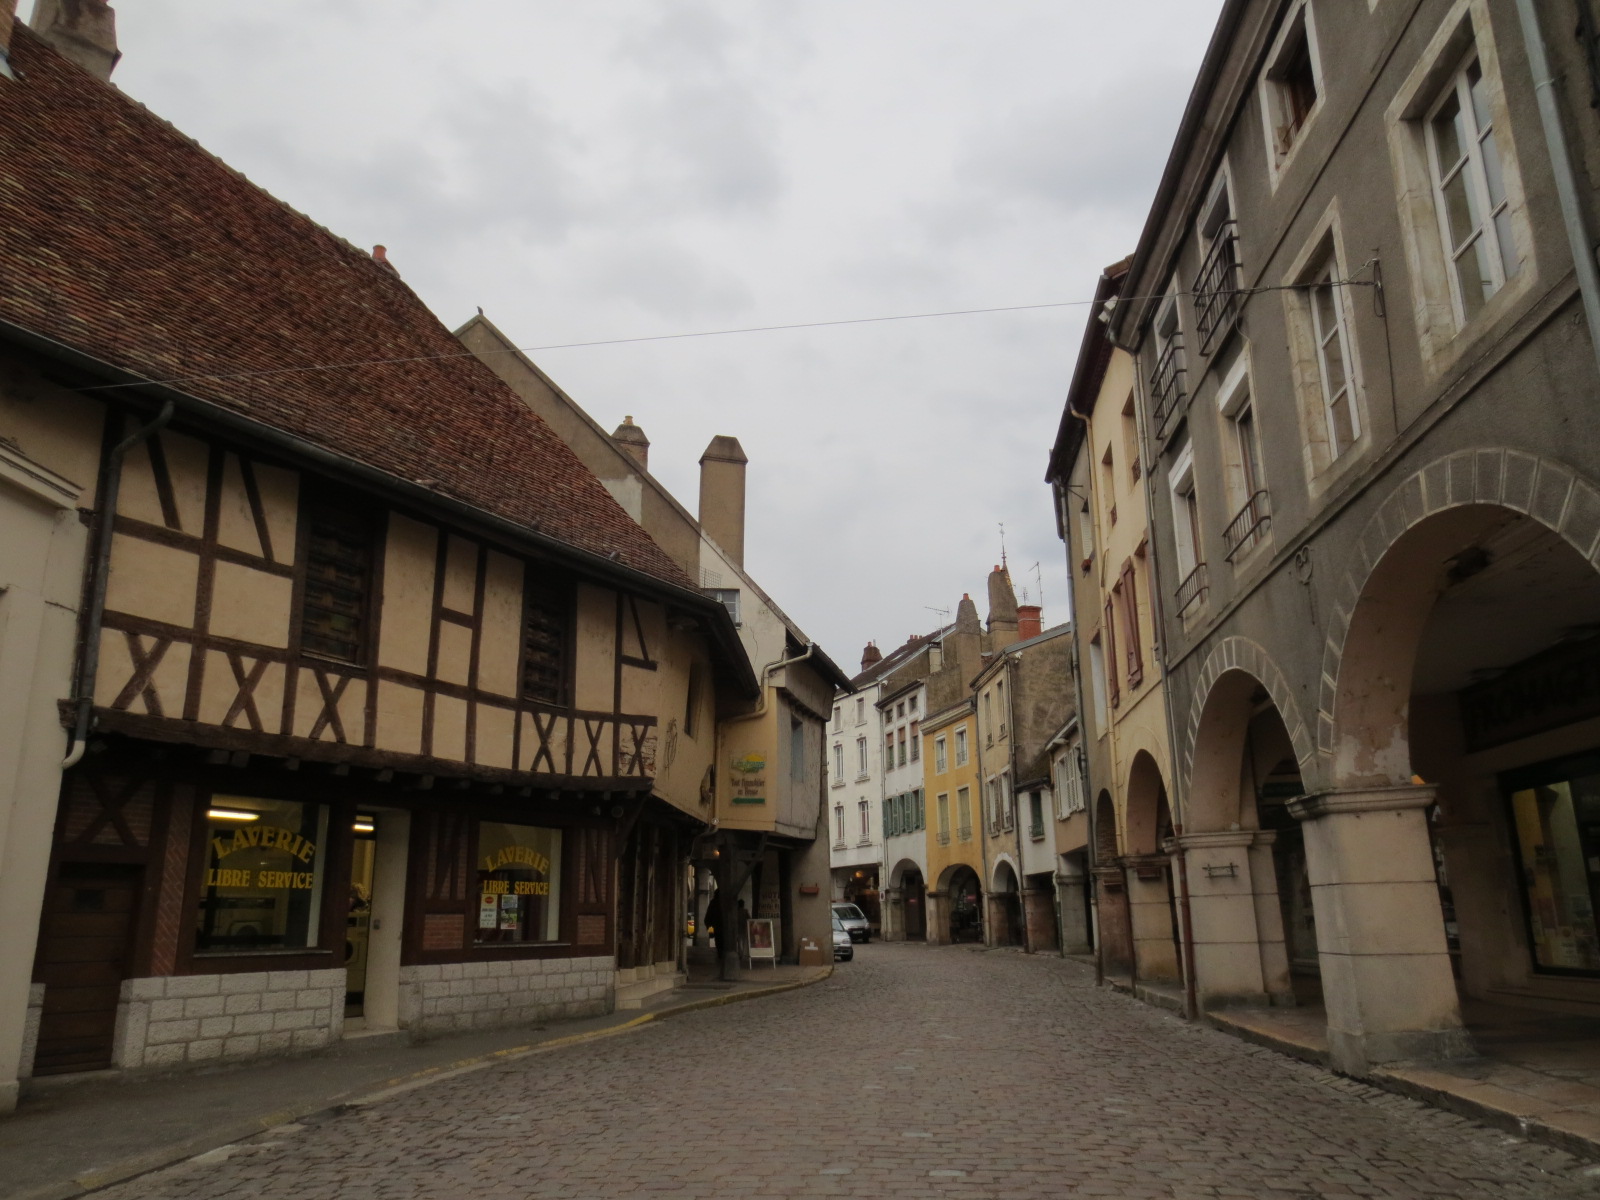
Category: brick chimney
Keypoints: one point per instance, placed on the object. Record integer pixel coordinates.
(84, 31)
(722, 469)
(630, 439)
(871, 656)
(1030, 621)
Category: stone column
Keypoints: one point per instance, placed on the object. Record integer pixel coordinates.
(937, 918)
(1074, 914)
(1239, 956)
(1155, 953)
(1116, 948)
(892, 915)
(1386, 976)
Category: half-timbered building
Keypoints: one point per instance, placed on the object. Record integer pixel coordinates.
(338, 691)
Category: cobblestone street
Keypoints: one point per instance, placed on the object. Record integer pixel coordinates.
(912, 1072)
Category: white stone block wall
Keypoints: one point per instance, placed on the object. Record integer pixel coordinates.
(185, 1020)
(444, 997)
(30, 1031)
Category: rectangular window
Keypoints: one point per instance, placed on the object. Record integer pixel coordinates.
(921, 812)
(335, 605)
(692, 700)
(1097, 680)
(1035, 816)
(1290, 84)
(911, 706)
(900, 749)
(1127, 591)
(861, 756)
(1555, 811)
(944, 817)
(964, 813)
(728, 598)
(1000, 704)
(866, 828)
(940, 762)
(861, 710)
(546, 622)
(961, 746)
(1109, 628)
(265, 863)
(1331, 333)
(916, 739)
(888, 749)
(519, 884)
(838, 824)
(1470, 191)
(900, 710)
(838, 719)
(838, 761)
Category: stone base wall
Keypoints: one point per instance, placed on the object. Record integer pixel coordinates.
(184, 1020)
(445, 997)
(30, 1030)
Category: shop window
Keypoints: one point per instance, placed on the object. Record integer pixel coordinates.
(1555, 811)
(335, 602)
(546, 620)
(264, 875)
(519, 884)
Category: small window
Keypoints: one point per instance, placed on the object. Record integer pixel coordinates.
(692, 700)
(519, 884)
(961, 746)
(944, 816)
(1331, 334)
(546, 620)
(861, 710)
(265, 864)
(964, 813)
(838, 761)
(911, 706)
(728, 598)
(335, 606)
(1097, 676)
(861, 756)
(916, 740)
(900, 749)
(838, 824)
(940, 762)
(866, 827)
(838, 719)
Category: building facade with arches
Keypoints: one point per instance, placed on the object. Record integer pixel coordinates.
(1364, 354)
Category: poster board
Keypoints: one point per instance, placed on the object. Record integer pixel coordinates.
(761, 939)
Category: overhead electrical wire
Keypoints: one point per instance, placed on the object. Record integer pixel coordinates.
(273, 372)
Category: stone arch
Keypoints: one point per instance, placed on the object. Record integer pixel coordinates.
(1243, 655)
(897, 876)
(1145, 793)
(1005, 876)
(1485, 479)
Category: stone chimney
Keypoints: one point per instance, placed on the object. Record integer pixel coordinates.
(630, 439)
(1002, 609)
(963, 646)
(1030, 621)
(83, 30)
(722, 495)
(8, 18)
(871, 656)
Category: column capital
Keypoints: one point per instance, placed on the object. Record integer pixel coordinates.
(1362, 800)
(1225, 839)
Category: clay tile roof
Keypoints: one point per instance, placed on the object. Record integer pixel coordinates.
(124, 240)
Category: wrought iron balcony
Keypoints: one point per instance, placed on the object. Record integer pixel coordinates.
(1216, 288)
(1249, 526)
(1192, 588)
(1168, 385)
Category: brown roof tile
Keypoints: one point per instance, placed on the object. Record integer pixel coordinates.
(124, 240)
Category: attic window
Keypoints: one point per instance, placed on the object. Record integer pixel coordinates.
(336, 600)
(546, 619)
(728, 598)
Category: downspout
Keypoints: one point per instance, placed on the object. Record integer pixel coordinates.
(1011, 758)
(100, 570)
(1555, 138)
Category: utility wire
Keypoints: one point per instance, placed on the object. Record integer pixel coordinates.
(704, 333)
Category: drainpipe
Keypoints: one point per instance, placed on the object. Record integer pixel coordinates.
(1555, 139)
(100, 570)
(1191, 1005)
(1011, 758)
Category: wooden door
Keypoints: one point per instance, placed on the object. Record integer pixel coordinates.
(84, 946)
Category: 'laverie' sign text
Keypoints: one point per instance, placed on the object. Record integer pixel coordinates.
(265, 837)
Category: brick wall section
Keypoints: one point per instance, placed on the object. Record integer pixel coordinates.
(182, 1020)
(441, 998)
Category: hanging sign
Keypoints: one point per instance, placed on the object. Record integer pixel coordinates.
(750, 779)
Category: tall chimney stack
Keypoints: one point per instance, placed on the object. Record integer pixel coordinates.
(722, 495)
(83, 30)
(630, 439)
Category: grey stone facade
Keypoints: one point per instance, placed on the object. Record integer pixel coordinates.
(445, 997)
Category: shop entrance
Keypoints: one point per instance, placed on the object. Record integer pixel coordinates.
(84, 950)
(915, 893)
(358, 923)
(966, 906)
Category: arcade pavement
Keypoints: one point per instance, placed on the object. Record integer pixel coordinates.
(912, 1071)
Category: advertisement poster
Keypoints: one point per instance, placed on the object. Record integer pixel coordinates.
(761, 940)
(510, 911)
(488, 910)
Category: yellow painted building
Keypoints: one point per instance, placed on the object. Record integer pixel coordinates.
(955, 835)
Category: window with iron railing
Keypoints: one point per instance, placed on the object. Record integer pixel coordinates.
(1249, 526)
(1192, 588)
(1167, 385)
(1216, 287)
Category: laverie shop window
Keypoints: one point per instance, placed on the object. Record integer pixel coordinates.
(519, 884)
(264, 873)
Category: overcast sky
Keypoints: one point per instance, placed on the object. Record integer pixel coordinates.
(627, 168)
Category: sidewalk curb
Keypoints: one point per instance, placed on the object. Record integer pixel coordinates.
(1535, 1129)
(104, 1177)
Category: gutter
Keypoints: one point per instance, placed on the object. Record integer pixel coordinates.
(406, 493)
(1555, 139)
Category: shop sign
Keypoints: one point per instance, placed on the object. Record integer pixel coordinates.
(1555, 688)
(760, 939)
(269, 837)
(750, 779)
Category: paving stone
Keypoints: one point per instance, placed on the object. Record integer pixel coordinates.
(1030, 1083)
